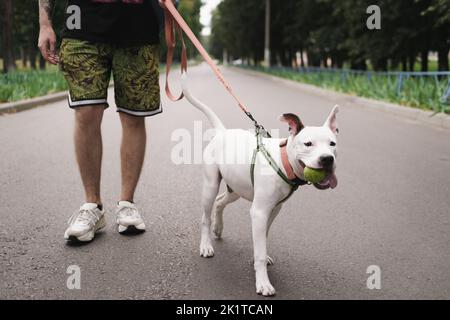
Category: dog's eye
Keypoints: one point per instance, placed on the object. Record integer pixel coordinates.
(308, 144)
(333, 144)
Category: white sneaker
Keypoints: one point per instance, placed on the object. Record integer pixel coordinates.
(128, 217)
(84, 223)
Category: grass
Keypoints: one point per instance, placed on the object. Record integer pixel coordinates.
(423, 93)
(25, 84)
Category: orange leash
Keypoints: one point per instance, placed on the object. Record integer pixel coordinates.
(170, 25)
(174, 22)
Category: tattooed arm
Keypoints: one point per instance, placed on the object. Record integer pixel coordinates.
(47, 37)
(45, 12)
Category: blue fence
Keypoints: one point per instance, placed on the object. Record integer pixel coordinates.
(441, 79)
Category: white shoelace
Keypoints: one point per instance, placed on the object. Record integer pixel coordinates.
(84, 216)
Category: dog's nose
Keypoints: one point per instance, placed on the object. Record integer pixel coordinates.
(326, 161)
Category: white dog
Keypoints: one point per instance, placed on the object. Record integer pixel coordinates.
(313, 147)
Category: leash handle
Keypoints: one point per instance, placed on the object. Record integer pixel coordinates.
(170, 30)
(174, 21)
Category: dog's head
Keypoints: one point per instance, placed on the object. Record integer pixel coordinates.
(313, 147)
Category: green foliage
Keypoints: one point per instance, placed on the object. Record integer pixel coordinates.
(423, 93)
(238, 26)
(26, 21)
(190, 11)
(26, 27)
(334, 30)
(20, 85)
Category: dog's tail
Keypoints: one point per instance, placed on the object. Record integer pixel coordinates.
(212, 117)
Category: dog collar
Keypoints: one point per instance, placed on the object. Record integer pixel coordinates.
(287, 166)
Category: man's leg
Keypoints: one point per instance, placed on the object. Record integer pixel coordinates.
(87, 69)
(132, 153)
(136, 87)
(88, 149)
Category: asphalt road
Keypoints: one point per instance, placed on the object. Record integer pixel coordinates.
(391, 208)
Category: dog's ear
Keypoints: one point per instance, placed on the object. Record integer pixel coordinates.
(331, 121)
(294, 122)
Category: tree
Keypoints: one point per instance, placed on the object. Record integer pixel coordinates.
(190, 11)
(26, 28)
(336, 31)
(9, 63)
(440, 38)
(241, 25)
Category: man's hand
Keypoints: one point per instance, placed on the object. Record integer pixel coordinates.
(47, 43)
(47, 37)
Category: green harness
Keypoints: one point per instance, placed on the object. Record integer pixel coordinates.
(294, 184)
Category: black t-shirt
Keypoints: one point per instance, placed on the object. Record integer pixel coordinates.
(120, 22)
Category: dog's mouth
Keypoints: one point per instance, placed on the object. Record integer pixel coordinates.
(330, 180)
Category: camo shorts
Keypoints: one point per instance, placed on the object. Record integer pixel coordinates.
(87, 68)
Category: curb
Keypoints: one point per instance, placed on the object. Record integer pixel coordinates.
(13, 107)
(440, 120)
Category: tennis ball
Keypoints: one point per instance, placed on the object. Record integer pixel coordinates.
(314, 175)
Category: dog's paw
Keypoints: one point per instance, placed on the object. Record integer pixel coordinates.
(265, 288)
(206, 250)
(217, 229)
(269, 261)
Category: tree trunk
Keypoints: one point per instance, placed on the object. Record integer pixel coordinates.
(380, 64)
(255, 59)
(291, 58)
(337, 62)
(41, 62)
(404, 64)
(313, 59)
(295, 54)
(32, 54)
(24, 56)
(411, 62)
(9, 63)
(284, 58)
(359, 64)
(424, 60)
(325, 61)
(224, 57)
(443, 59)
(274, 58)
(333, 61)
(393, 65)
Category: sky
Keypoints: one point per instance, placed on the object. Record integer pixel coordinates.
(205, 15)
